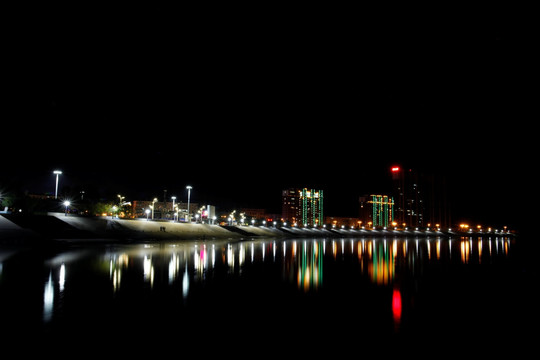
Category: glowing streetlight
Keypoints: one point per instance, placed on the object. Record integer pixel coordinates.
(188, 196)
(153, 202)
(147, 213)
(66, 204)
(56, 172)
(173, 208)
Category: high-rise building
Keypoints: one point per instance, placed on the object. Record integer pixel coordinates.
(312, 207)
(409, 202)
(290, 205)
(382, 210)
(408, 198)
(302, 206)
(420, 198)
(376, 211)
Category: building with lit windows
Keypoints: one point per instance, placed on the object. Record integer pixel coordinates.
(302, 206)
(163, 210)
(408, 198)
(290, 205)
(420, 198)
(376, 211)
(382, 210)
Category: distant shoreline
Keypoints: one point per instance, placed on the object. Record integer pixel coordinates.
(58, 227)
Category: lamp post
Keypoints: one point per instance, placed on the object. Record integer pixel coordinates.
(66, 204)
(188, 196)
(56, 172)
(147, 212)
(173, 198)
(153, 206)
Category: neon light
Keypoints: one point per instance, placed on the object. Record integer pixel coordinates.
(383, 210)
(312, 206)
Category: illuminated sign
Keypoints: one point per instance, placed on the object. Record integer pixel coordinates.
(395, 168)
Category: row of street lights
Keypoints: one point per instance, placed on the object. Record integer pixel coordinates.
(188, 187)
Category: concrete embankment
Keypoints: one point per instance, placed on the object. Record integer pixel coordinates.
(73, 228)
(15, 228)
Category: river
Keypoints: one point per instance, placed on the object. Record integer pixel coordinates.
(311, 294)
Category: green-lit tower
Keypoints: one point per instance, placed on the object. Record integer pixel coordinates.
(383, 210)
(311, 202)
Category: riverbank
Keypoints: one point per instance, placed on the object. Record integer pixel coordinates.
(16, 228)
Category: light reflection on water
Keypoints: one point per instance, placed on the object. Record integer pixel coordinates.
(382, 281)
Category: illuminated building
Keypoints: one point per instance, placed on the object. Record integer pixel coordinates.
(382, 210)
(163, 210)
(290, 205)
(312, 206)
(409, 202)
(420, 198)
(302, 206)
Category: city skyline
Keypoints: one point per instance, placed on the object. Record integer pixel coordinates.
(243, 109)
(422, 113)
(270, 201)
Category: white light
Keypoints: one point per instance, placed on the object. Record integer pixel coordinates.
(56, 172)
(62, 277)
(48, 299)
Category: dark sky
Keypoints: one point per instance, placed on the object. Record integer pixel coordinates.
(243, 102)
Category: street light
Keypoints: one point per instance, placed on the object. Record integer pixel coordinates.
(56, 172)
(153, 202)
(66, 204)
(173, 198)
(188, 196)
(147, 212)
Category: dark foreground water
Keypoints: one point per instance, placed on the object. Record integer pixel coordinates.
(271, 296)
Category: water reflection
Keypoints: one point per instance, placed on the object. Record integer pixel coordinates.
(309, 265)
(48, 299)
(382, 273)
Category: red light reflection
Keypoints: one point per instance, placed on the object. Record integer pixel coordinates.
(396, 306)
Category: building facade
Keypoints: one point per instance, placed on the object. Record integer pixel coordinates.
(409, 201)
(162, 210)
(302, 206)
(421, 198)
(382, 211)
(376, 211)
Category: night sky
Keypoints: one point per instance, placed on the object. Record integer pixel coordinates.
(243, 102)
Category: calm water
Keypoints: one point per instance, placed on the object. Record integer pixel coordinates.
(310, 294)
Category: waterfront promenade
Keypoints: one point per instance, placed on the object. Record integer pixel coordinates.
(72, 228)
